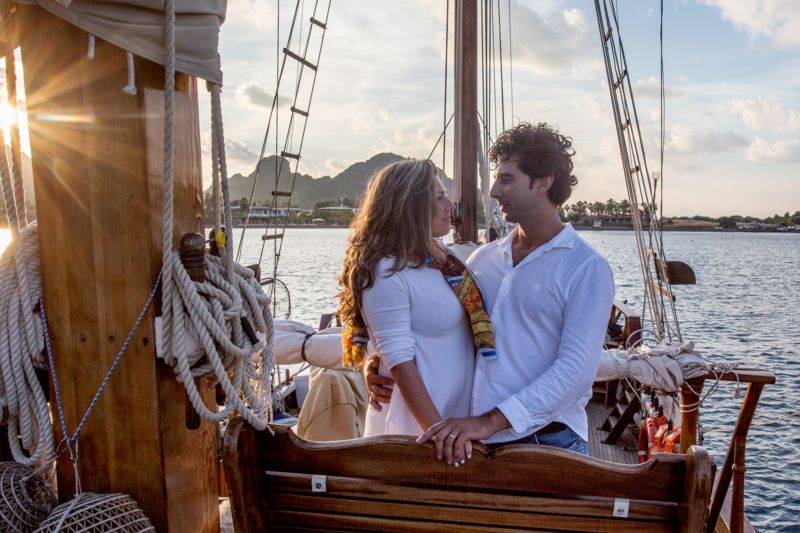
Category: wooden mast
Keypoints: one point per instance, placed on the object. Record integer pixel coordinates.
(97, 164)
(465, 164)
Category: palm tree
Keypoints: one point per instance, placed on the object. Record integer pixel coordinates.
(580, 211)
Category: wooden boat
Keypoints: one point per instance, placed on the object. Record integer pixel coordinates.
(144, 438)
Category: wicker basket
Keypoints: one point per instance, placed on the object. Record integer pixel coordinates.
(25, 499)
(97, 512)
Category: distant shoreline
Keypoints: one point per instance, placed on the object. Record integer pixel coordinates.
(577, 227)
(685, 229)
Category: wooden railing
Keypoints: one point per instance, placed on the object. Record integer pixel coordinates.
(733, 469)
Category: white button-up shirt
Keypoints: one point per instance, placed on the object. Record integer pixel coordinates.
(550, 314)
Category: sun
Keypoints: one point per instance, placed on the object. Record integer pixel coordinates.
(6, 118)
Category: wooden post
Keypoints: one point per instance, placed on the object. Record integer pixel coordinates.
(737, 497)
(465, 164)
(734, 464)
(690, 395)
(193, 256)
(97, 157)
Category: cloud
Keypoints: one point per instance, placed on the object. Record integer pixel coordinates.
(552, 43)
(760, 151)
(385, 116)
(651, 88)
(257, 95)
(406, 143)
(234, 149)
(766, 114)
(590, 105)
(687, 140)
(251, 14)
(778, 20)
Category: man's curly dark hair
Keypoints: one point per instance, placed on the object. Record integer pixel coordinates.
(539, 151)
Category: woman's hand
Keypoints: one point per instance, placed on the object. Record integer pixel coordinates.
(380, 387)
(453, 437)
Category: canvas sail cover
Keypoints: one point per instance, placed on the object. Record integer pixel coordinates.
(138, 27)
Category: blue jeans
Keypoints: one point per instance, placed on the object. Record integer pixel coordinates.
(566, 439)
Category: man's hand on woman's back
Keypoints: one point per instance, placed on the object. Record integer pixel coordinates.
(380, 387)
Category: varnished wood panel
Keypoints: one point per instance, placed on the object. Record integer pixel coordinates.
(374, 490)
(95, 208)
(567, 515)
(543, 470)
(392, 484)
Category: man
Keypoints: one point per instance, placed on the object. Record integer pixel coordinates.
(549, 295)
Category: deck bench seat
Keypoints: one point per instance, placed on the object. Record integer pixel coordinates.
(281, 483)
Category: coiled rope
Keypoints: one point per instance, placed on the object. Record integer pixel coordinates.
(30, 435)
(219, 307)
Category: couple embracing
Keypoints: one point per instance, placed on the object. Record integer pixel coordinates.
(501, 350)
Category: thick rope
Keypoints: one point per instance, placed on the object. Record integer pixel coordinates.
(16, 157)
(90, 48)
(216, 186)
(29, 433)
(130, 88)
(213, 311)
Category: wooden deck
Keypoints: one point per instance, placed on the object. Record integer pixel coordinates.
(624, 452)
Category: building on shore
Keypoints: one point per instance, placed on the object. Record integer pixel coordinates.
(265, 214)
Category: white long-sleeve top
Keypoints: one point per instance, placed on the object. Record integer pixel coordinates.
(549, 314)
(413, 314)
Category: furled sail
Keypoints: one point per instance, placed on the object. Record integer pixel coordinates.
(138, 27)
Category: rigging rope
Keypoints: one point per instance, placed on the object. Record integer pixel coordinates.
(279, 232)
(272, 111)
(510, 64)
(492, 55)
(445, 122)
(662, 97)
(16, 158)
(641, 192)
(502, 88)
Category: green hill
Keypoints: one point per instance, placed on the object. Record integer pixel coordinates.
(350, 183)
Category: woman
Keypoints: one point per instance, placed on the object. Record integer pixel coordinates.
(395, 292)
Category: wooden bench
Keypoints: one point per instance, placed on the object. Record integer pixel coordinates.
(279, 482)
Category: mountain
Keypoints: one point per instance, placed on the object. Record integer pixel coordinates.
(350, 183)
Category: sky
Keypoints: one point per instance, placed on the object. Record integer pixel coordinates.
(732, 77)
(732, 74)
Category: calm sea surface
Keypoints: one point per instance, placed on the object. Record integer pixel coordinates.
(744, 309)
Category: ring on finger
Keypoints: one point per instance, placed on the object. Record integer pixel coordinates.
(452, 436)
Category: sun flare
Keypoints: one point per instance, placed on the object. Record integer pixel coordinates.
(6, 118)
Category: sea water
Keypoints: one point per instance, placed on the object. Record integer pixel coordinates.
(744, 309)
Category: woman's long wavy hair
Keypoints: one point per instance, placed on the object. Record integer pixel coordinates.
(394, 221)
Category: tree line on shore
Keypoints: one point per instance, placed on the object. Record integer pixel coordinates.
(582, 212)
